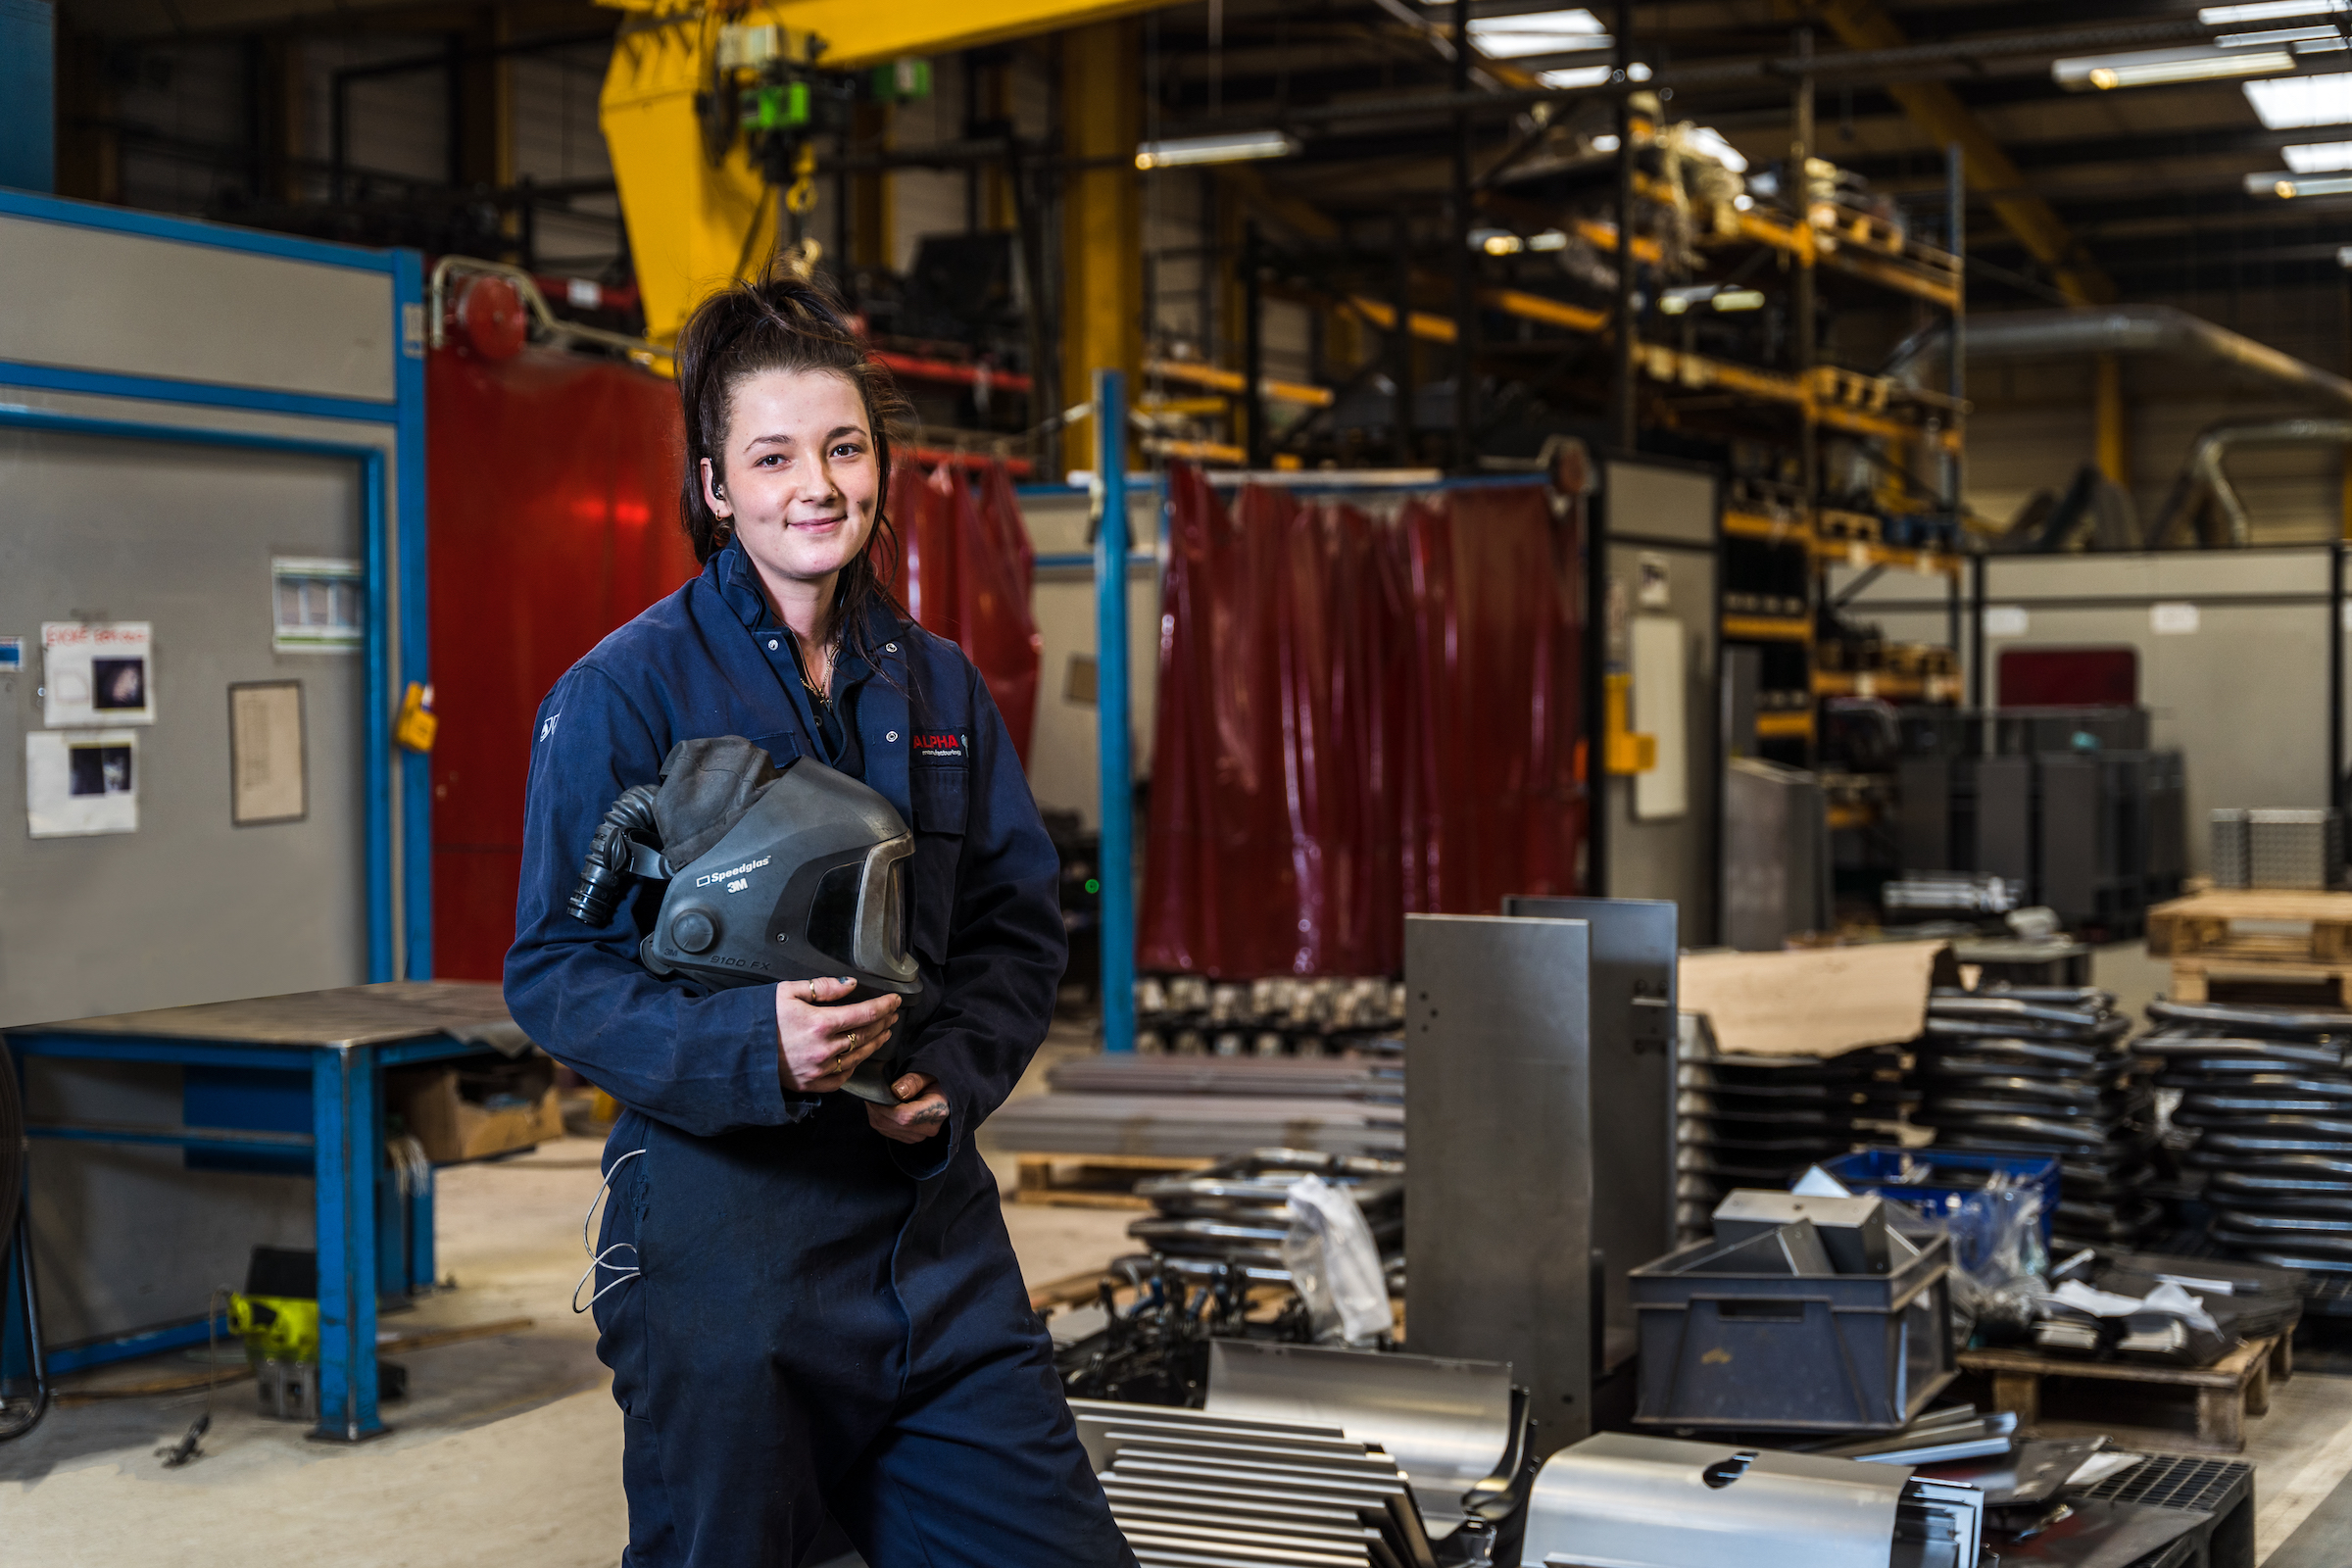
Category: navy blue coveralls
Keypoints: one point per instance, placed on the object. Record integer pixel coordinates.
(824, 1317)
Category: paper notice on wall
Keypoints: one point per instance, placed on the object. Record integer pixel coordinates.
(80, 782)
(2173, 620)
(97, 672)
(2005, 621)
(267, 777)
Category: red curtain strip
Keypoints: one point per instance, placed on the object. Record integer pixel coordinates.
(1361, 715)
(551, 495)
(966, 567)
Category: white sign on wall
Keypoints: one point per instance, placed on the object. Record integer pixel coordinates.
(2176, 620)
(80, 782)
(2005, 621)
(97, 672)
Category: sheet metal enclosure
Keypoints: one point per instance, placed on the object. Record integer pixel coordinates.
(1633, 989)
(1447, 1423)
(1499, 1190)
(1617, 1500)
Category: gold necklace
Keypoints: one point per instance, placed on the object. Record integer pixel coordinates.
(832, 649)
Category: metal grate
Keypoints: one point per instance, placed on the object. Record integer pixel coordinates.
(2178, 1481)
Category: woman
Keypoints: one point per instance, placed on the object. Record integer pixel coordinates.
(809, 1302)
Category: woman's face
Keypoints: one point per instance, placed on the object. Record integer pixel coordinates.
(800, 480)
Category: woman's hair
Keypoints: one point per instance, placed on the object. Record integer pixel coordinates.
(791, 324)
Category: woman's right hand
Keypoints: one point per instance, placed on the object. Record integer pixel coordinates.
(819, 1046)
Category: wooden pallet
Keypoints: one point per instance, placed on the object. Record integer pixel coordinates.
(2325, 984)
(1092, 1181)
(2222, 1395)
(2264, 925)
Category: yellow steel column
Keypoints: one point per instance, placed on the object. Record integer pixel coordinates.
(2112, 429)
(1102, 264)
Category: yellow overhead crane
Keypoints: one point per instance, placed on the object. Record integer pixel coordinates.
(711, 116)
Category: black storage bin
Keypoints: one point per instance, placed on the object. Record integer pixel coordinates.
(1816, 1352)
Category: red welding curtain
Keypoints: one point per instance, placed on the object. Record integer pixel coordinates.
(966, 568)
(1360, 716)
(552, 486)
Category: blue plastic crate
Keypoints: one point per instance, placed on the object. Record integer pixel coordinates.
(1966, 1211)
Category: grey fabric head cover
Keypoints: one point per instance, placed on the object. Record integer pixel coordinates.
(707, 785)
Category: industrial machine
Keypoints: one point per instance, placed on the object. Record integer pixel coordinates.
(713, 122)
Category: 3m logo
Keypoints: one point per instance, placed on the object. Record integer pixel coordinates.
(739, 884)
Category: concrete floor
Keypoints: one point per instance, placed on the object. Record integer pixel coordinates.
(508, 1451)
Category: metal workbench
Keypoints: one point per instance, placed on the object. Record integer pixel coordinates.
(323, 1050)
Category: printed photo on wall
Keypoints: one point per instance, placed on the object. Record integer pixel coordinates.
(97, 672)
(80, 782)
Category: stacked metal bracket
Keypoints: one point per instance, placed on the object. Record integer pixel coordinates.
(1204, 1491)
(2044, 1070)
(2265, 1096)
(1757, 1122)
(1237, 1212)
(1209, 1107)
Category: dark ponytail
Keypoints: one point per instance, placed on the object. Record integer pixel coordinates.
(791, 324)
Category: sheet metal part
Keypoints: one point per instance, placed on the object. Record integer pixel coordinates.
(1450, 1424)
(1632, 987)
(1501, 1194)
(1617, 1500)
(2029, 1473)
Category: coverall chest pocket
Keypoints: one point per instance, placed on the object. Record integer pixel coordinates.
(940, 793)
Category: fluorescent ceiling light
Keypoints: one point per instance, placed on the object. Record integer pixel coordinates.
(2270, 11)
(2319, 157)
(2343, 258)
(1580, 76)
(1551, 239)
(1707, 139)
(1538, 33)
(2288, 187)
(1606, 142)
(1236, 147)
(2292, 102)
(2154, 68)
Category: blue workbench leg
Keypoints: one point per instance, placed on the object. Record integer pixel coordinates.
(350, 1135)
(420, 1231)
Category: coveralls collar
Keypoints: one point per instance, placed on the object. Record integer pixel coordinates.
(737, 581)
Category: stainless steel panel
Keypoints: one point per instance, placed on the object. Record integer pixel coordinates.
(1499, 1192)
(1618, 1501)
(1633, 969)
(1776, 864)
(1446, 1423)
(91, 299)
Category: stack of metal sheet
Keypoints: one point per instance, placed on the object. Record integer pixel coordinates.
(1190, 1015)
(2265, 1096)
(1197, 1126)
(2045, 1070)
(1379, 1079)
(1206, 1491)
(1235, 1213)
(1758, 1121)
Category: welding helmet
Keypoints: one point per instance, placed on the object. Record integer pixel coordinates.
(774, 876)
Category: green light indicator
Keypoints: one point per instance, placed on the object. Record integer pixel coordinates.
(1092, 886)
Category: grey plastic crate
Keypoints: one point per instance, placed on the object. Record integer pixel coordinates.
(2293, 848)
(1817, 1352)
(2230, 846)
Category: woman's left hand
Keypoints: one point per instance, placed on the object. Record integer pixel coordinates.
(921, 1112)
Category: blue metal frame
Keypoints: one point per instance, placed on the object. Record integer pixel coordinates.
(1115, 859)
(394, 502)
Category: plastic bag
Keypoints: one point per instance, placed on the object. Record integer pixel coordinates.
(1334, 1265)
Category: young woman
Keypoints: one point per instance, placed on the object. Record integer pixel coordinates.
(807, 1301)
